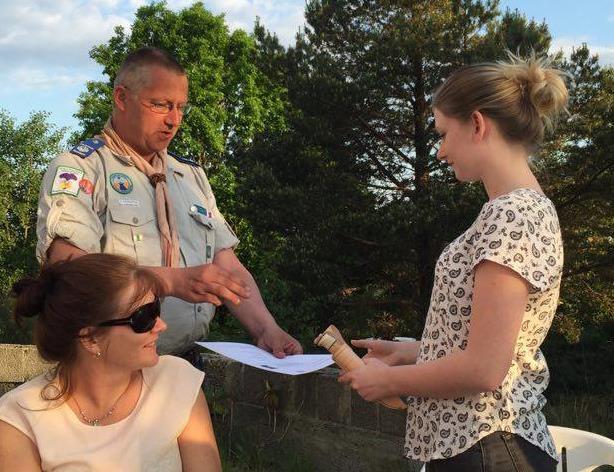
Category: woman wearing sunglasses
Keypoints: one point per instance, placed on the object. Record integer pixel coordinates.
(110, 403)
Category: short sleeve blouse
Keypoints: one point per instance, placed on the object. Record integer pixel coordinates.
(519, 230)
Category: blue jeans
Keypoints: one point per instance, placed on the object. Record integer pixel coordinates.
(497, 452)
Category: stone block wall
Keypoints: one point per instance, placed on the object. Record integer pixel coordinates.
(19, 363)
(326, 421)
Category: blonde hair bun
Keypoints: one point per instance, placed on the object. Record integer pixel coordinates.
(542, 85)
(523, 96)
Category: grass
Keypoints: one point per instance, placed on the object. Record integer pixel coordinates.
(250, 453)
(594, 413)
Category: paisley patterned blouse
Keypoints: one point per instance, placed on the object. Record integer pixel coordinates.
(519, 230)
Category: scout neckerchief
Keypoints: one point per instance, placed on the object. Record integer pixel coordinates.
(156, 173)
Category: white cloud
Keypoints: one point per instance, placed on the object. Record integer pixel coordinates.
(567, 44)
(32, 78)
(45, 44)
(179, 4)
(282, 17)
(61, 33)
(106, 3)
(606, 54)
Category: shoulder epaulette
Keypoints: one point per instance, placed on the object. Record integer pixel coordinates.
(184, 160)
(86, 148)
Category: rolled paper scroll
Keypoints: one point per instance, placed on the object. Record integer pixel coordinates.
(345, 357)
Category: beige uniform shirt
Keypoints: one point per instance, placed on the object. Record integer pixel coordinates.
(100, 202)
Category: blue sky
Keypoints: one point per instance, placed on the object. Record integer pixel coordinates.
(44, 44)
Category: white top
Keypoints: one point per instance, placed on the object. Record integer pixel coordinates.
(519, 230)
(146, 440)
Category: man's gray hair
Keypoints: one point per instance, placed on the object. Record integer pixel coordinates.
(133, 73)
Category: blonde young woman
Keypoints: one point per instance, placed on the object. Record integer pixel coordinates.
(112, 404)
(475, 381)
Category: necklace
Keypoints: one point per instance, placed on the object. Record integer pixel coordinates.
(97, 421)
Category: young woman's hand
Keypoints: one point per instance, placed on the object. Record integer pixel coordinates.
(389, 352)
(371, 381)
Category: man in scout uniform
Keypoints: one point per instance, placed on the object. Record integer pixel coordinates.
(121, 192)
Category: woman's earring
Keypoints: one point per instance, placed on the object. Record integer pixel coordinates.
(98, 354)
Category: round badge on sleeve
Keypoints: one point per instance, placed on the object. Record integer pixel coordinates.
(121, 183)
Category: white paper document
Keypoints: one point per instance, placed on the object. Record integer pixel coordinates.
(256, 357)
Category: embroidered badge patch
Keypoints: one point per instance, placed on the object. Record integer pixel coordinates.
(67, 181)
(121, 183)
(86, 185)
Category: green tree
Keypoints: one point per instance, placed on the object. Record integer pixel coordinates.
(577, 168)
(25, 151)
(377, 63)
(360, 82)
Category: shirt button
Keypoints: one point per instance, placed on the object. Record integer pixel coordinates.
(199, 309)
(59, 203)
(135, 220)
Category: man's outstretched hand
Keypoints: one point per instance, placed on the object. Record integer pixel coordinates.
(278, 342)
(207, 283)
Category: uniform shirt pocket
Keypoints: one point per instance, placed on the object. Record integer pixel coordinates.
(134, 232)
(205, 228)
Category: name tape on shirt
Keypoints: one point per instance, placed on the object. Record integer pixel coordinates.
(129, 202)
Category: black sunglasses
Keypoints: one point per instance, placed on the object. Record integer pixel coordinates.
(141, 320)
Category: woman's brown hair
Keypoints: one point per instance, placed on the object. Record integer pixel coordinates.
(524, 97)
(74, 294)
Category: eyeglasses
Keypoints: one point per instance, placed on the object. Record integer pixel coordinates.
(164, 108)
(141, 320)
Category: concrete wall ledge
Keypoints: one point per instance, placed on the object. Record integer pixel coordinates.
(19, 363)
